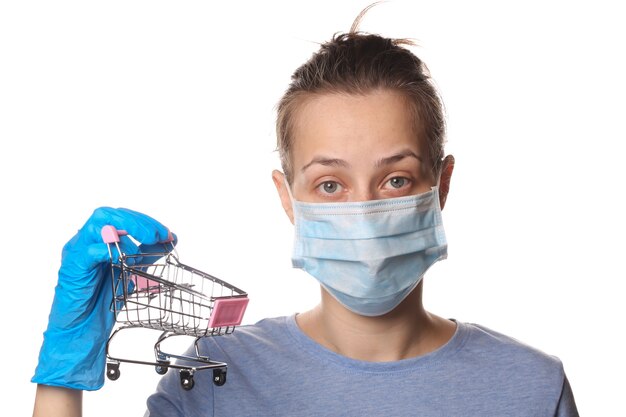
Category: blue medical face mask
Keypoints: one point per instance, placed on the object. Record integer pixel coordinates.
(369, 255)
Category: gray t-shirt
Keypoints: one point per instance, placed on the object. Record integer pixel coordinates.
(276, 370)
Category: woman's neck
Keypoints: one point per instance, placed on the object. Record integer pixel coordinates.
(408, 331)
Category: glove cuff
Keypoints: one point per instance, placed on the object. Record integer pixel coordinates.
(71, 359)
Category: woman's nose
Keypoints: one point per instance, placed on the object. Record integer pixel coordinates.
(363, 194)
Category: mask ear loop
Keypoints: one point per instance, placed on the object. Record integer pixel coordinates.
(435, 188)
(294, 209)
(289, 191)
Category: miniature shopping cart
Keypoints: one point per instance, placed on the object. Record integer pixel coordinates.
(156, 291)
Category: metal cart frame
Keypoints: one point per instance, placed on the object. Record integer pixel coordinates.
(155, 290)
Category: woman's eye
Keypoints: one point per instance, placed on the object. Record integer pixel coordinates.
(398, 182)
(329, 187)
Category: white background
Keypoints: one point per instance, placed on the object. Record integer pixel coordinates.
(168, 108)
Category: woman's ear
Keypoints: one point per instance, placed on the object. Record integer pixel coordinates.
(283, 193)
(444, 179)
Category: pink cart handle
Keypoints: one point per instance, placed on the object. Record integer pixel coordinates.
(112, 235)
(170, 238)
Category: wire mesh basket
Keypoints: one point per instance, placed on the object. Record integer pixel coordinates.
(155, 290)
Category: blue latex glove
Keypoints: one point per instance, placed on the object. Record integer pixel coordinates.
(73, 351)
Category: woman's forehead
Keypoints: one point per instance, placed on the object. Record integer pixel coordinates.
(343, 123)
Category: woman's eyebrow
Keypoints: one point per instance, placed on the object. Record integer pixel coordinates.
(397, 157)
(322, 160)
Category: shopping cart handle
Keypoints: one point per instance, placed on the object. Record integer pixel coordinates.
(112, 235)
(170, 238)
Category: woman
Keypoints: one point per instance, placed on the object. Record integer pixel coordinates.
(360, 134)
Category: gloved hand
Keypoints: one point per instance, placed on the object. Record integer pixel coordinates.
(73, 351)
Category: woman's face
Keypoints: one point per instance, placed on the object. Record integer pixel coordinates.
(357, 148)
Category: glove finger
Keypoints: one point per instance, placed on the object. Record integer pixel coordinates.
(130, 249)
(143, 228)
(159, 248)
(97, 253)
(149, 231)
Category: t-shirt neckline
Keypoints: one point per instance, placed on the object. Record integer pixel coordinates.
(430, 359)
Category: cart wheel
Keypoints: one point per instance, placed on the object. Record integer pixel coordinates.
(113, 371)
(161, 369)
(186, 379)
(219, 377)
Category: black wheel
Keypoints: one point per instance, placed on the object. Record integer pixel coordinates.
(161, 369)
(113, 371)
(219, 377)
(186, 379)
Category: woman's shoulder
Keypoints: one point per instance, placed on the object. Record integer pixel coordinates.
(266, 327)
(266, 332)
(503, 350)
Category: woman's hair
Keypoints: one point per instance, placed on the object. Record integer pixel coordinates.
(358, 63)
